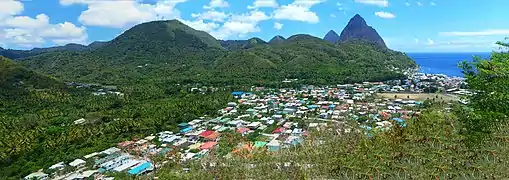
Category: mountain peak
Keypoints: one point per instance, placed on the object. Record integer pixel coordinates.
(331, 36)
(277, 39)
(358, 29)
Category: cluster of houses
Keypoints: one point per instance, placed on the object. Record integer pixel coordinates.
(92, 166)
(273, 119)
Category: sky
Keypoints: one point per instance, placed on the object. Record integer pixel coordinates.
(405, 25)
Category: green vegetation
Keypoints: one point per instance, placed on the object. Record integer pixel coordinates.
(16, 80)
(171, 52)
(38, 130)
(470, 142)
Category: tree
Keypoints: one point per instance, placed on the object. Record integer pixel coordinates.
(489, 79)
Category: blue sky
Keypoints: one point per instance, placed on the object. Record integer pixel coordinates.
(405, 25)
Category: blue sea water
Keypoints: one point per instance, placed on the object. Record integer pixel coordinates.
(443, 63)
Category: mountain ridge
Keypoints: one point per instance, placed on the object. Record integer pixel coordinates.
(173, 51)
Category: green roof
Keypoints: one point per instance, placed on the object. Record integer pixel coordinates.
(224, 120)
(259, 144)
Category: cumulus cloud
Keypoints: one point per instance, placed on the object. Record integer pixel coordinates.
(385, 15)
(278, 26)
(263, 3)
(216, 4)
(299, 10)
(10, 7)
(122, 14)
(26, 31)
(201, 25)
(433, 3)
(419, 4)
(407, 4)
(381, 3)
(239, 25)
(211, 15)
(492, 32)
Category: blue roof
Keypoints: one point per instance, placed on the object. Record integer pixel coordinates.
(183, 125)
(186, 130)
(399, 120)
(237, 93)
(139, 169)
(332, 106)
(312, 106)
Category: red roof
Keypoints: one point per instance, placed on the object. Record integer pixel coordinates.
(212, 136)
(279, 130)
(208, 145)
(242, 130)
(206, 133)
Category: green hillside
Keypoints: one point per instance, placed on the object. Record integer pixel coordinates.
(170, 51)
(16, 80)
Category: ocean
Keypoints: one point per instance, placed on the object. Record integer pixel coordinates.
(443, 63)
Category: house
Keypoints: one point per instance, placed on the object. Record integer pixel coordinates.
(57, 166)
(90, 155)
(183, 125)
(208, 145)
(210, 135)
(77, 163)
(242, 130)
(130, 163)
(278, 130)
(187, 129)
(140, 169)
(237, 94)
(273, 145)
(324, 115)
(80, 121)
(254, 125)
(39, 175)
(259, 144)
(89, 173)
(232, 104)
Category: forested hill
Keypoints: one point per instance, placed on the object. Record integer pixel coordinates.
(16, 80)
(170, 51)
(72, 47)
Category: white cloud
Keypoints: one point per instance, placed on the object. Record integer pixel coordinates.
(416, 41)
(22, 37)
(40, 21)
(338, 4)
(278, 25)
(201, 25)
(239, 25)
(433, 3)
(10, 7)
(211, 15)
(407, 4)
(492, 32)
(385, 15)
(332, 15)
(216, 4)
(430, 41)
(26, 31)
(299, 10)
(263, 3)
(63, 30)
(122, 14)
(381, 3)
(419, 3)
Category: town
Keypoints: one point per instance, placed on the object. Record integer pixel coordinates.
(271, 119)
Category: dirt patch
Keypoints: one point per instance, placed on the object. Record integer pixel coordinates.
(420, 96)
